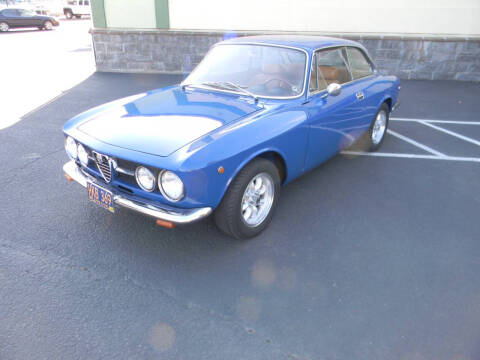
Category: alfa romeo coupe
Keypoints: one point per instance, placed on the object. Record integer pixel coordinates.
(255, 114)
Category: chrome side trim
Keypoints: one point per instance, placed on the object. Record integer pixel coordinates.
(184, 217)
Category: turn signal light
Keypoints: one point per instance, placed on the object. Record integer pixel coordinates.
(167, 224)
(68, 177)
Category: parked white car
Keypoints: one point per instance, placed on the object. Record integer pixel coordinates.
(77, 8)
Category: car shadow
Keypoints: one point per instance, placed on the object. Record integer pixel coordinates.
(23, 31)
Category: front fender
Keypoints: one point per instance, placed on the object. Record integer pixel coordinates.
(284, 132)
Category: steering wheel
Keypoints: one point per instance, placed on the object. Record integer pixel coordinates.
(284, 84)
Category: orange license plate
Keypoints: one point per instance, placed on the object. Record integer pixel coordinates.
(100, 196)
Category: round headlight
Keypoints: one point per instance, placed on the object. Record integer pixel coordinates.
(71, 148)
(82, 155)
(171, 186)
(145, 178)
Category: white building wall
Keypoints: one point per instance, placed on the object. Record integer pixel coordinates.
(137, 14)
(461, 17)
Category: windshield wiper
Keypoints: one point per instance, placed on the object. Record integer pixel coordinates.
(241, 89)
(225, 85)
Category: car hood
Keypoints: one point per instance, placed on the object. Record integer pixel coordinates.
(162, 121)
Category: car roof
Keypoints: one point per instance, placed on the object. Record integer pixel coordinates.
(306, 42)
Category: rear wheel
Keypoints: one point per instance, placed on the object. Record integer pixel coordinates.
(379, 127)
(68, 14)
(247, 207)
(47, 25)
(4, 27)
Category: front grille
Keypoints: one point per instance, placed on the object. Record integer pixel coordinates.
(104, 165)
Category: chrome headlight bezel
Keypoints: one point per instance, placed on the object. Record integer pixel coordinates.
(167, 179)
(71, 148)
(82, 155)
(147, 172)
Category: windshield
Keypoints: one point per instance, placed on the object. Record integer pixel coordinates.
(262, 70)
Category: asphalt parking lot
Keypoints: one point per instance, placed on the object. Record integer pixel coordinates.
(368, 257)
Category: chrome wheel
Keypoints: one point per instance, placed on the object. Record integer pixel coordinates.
(48, 25)
(4, 27)
(379, 127)
(257, 199)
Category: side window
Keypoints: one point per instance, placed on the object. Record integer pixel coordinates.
(359, 65)
(331, 68)
(80, 2)
(10, 13)
(26, 13)
(86, 2)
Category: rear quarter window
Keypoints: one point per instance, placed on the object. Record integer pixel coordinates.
(359, 65)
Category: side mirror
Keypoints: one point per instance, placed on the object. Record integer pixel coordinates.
(333, 89)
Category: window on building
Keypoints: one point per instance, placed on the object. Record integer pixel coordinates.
(359, 65)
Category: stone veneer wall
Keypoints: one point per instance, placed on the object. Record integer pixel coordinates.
(177, 52)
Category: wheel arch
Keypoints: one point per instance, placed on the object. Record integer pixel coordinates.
(388, 101)
(278, 161)
(273, 155)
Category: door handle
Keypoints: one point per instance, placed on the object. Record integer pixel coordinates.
(360, 95)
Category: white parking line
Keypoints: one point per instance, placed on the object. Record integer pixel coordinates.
(435, 155)
(437, 121)
(416, 143)
(457, 135)
(411, 156)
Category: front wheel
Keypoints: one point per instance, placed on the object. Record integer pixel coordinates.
(4, 27)
(247, 207)
(68, 14)
(47, 25)
(379, 127)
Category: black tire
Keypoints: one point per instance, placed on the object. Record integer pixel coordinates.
(68, 14)
(228, 215)
(372, 145)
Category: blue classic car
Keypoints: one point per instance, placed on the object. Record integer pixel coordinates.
(255, 114)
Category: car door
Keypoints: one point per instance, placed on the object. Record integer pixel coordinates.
(12, 17)
(364, 86)
(331, 118)
(29, 18)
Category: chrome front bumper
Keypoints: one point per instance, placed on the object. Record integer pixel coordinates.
(183, 216)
